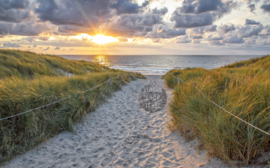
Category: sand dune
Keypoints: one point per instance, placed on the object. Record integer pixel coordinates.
(119, 134)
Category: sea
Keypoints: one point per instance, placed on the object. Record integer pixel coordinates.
(161, 64)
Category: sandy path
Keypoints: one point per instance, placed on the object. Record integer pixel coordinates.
(119, 134)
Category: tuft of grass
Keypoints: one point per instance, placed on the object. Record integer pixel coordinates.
(29, 80)
(242, 88)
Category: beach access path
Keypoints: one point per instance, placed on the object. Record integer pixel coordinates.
(120, 133)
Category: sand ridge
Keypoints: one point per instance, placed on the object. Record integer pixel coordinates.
(119, 134)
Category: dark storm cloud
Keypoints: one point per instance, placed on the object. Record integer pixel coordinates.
(251, 22)
(227, 28)
(266, 7)
(128, 7)
(14, 10)
(233, 39)
(248, 31)
(80, 12)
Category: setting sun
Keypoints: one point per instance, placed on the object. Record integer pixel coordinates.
(101, 39)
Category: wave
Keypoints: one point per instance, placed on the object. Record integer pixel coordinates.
(144, 70)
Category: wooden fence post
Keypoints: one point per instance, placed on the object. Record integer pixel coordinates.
(111, 82)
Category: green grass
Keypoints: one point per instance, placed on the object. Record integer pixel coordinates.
(242, 88)
(29, 80)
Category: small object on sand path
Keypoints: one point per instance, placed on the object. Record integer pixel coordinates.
(119, 134)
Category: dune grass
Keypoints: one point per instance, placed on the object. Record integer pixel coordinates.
(29, 80)
(243, 89)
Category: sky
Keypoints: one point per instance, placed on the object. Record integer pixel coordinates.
(136, 27)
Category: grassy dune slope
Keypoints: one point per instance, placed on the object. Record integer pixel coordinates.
(29, 80)
(242, 88)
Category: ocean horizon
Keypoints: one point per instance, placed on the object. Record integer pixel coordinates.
(161, 64)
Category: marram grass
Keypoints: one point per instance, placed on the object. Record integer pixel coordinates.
(242, 88)
(29, 80)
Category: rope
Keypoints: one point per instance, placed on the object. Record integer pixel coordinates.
(227, 110)
(231, 113)
(53, 102)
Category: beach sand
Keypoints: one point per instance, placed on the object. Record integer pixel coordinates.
(120, 134)
(153, 77)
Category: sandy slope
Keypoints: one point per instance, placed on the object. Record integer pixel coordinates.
(119, 134)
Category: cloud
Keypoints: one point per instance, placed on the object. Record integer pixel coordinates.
(214, 37)
(162, 31)
(122, 40)
(211, 28)
(216, 43)
(29, 28)
(161, 11)
(227, 28)
(46, 49)
(183, 39)
(156, 40)
(135, 25)
(196, 41)
(196, 33)
(248, 30)
(250, 41)
(57, 48)
(251, 22)
(197, 13)
(265, 7)
(86, 13)
(11, 45)
(202, 6)
(266, 42)
(14, 10)
(190, 21)
(265, 31)
(252, 7)
(233, 39)
(127, 7)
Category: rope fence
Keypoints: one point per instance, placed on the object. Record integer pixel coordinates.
(194, 84)
(110, 80)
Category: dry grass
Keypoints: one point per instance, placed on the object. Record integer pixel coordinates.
(242, 88)
(29, 80)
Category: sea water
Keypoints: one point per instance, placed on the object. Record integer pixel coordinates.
(160, 64)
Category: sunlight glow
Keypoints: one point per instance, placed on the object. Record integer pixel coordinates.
(101, 59)
(101, 39)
